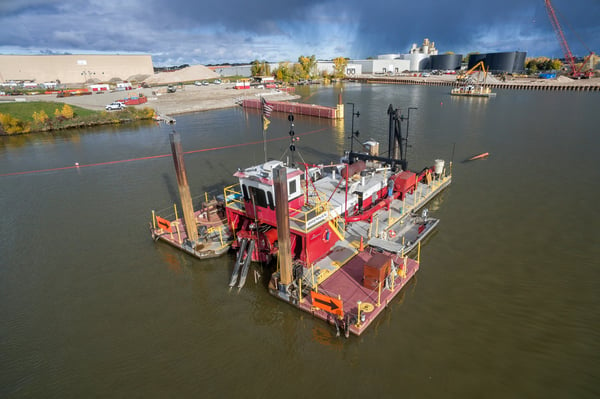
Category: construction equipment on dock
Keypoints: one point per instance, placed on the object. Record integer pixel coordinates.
(586, 69)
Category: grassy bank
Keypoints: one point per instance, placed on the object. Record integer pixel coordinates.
(40, 116)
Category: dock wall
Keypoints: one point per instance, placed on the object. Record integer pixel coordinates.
(542, 85)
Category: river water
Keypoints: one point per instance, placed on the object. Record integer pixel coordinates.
(506, 302)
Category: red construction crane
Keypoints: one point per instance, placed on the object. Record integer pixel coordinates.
(576, 72)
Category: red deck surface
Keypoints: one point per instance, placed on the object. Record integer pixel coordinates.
(346, 284)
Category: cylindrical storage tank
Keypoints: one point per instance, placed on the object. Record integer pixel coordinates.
(446, 62)
(419, 62)
(387, 56)
(500, 62)
(475, 58)
(519, 65)
(510, 61)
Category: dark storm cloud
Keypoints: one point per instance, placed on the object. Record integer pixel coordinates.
(179, 31)
(476, 26)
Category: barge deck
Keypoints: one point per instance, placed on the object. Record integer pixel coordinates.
(342, 297)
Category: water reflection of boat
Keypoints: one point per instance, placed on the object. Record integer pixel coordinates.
(472, 91)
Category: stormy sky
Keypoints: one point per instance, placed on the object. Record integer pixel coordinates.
(237, 31)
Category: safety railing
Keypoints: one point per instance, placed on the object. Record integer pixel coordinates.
(315, 213)
(233, 197)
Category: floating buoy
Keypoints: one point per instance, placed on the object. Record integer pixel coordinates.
(480, 156)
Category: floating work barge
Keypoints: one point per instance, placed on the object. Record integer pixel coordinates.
(472, 91)
(341, 232)
(213, 236)
(320, 111)
(203, 233)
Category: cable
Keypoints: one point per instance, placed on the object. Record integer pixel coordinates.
(77, 166)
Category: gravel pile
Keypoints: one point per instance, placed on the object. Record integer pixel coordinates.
(189, 74)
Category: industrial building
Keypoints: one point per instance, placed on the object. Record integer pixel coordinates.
(79, 70)
(74, 69)
(352, 68)
(426, 58)
(417, 59)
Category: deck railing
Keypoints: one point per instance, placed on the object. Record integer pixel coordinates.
(305, 219)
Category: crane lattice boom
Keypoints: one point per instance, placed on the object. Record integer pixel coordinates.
(575, 72)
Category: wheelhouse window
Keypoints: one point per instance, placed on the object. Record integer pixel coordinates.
(270, 199)
(292, 188)
(260, 199)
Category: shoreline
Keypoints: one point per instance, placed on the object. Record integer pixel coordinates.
(191, 98)
(187, 98)
(526, 83)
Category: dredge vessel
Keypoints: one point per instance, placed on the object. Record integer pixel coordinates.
(340, 232)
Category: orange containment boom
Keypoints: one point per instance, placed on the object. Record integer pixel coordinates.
(480, 156)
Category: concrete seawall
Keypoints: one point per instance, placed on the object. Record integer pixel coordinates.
(579, 85)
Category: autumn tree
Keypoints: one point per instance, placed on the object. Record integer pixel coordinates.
(283, 72)
(67, 112)
(40, 117)
(298, 72)
(339, 67)
(308, 66)
(11, 125)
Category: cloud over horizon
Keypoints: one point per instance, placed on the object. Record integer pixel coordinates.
(177, 32)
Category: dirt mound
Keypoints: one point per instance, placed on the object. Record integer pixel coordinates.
(138, 78)
(194, 72)
(564, 79)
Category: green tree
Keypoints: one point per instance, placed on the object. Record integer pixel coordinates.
(283, 72)
(298, 72)
(260, 68)
(556, 64)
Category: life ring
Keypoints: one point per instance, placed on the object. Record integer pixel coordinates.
(326, 235)
(391, 234)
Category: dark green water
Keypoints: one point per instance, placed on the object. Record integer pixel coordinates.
(506, 304)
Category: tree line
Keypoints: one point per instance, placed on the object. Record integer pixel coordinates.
(304, 69)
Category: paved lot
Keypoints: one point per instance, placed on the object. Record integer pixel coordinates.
(189, 98)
